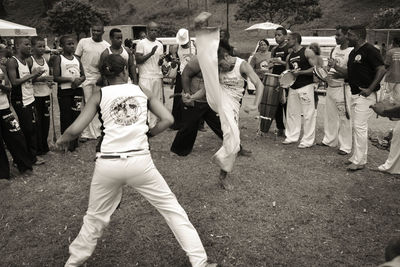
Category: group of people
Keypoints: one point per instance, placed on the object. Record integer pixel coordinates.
(355, 70)
(102, 96)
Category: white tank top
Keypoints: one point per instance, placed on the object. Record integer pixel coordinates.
(3, 96)
(185, 55)
(69, 68)
(232, 81)
(123, 112)
(41, 88)
(26, 87)
(124, 54)
(341, 56)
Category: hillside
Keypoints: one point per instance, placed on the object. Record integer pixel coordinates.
(174, 13)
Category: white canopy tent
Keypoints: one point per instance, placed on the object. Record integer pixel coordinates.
(10, 29)
(265, 26)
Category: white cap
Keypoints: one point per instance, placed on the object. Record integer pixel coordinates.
(182, 37)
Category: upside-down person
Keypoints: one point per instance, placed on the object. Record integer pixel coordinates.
(123, 158)
(224, 77)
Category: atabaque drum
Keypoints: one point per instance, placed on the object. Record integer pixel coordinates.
(269, 101)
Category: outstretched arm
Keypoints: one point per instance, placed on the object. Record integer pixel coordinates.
(248, 71)
(81, 122)
(166, 118)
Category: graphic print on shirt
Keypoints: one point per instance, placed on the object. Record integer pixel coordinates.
(73, 70)
(294, 62)
(125, 110)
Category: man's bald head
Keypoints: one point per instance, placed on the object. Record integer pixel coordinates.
(152, 31)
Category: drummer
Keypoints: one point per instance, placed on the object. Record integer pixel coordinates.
(260, 61)
(301, 94)
(279, 54)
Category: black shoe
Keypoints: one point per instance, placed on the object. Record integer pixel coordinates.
(281, 132)
(343, 153)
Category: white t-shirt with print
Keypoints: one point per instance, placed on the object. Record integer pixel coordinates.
(90, 51)
(150, 68)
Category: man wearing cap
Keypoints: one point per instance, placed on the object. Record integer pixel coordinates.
(185, 52)
(149, 54)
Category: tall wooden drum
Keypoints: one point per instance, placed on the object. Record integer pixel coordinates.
(270, 101)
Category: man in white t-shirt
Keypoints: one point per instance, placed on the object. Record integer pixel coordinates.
(149, 53)
(89, 51)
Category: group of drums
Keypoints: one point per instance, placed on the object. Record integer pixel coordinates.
(275, 87)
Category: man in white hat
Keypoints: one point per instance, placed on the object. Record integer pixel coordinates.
(186, 50)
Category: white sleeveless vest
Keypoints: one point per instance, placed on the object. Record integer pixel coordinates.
(26, 87)
(123, 113)
(69, 68)
(232, 81)
(41, 88)
(124, 53)
(3, 96)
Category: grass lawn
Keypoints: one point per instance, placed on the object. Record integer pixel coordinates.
(324, 216)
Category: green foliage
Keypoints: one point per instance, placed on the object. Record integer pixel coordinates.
(288, 13)
(387, 18)
(75, 16)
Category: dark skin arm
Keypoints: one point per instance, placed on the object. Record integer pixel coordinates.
(5, 88)
(380, 72)
(132, 68)
(12, 73)
(191, 70)
(140, 58)
(102, 81)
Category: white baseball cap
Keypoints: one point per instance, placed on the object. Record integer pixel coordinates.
(182, 37)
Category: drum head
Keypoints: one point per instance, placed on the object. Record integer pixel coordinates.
(321, 73)
(287, 79)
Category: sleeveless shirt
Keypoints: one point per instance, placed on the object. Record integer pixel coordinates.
(233, 81)
(123, 114)
(69, 68)
(41, 88)
(298, 60)
(23, 92)
(3, 96)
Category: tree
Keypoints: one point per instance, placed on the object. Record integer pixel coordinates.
(387, 18)
(287, 13)
(75, 16)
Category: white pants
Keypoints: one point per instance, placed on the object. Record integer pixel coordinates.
(337, 128)
(154, 85)
(360, 115)
(301, 101)
(392, 164)
(219, 99)
(390, 92)
(138, 171)
(92, 131)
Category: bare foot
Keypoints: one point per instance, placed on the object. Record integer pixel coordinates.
(224, 182)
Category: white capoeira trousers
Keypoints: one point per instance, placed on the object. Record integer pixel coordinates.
(154, 85)
(392, 164)
(337, 128)
(361, 112)
(301, 101)
(138, 171)
(92, 131)
(219, 99)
